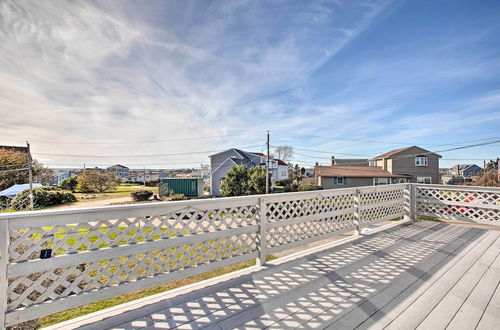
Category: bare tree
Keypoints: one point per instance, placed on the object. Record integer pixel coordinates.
(285, 153)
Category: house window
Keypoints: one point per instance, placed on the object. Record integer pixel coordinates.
(284, 173)
(339, 180)
(421, 161)
(402, 180)
(381, 181)
(424, 179)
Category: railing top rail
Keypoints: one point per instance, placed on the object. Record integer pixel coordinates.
(460, 187)
(101, 212)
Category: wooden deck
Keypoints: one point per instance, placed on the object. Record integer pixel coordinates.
(425, 275)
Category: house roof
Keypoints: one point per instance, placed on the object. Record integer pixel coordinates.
(15, 148)
(280, 162)
(392, 153)
(17, 188)
(117, 166)
(355, 171)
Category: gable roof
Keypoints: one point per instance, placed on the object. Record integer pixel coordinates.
(355, 171)
(280, 162)
(392, 152)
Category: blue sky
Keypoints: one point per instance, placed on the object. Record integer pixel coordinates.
(345, 77)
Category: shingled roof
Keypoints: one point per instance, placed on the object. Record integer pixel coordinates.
(14, 148)
(392, 152)
(355, 171)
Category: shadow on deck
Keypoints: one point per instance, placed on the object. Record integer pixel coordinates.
(424, 274)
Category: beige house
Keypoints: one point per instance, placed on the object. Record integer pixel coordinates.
(410, 164)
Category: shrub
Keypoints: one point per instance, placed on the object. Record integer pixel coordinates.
(309, 187)
(141, 195)
(283, 183)
(291, 187)
(42, 197)
(69, 183)
(177, 197)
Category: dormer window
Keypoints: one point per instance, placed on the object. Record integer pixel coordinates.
(421, 161)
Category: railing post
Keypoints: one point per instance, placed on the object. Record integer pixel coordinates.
(261, 237)
(411, 201)
(4, 260)
(357, 212)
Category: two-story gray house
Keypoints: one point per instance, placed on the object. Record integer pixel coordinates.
(419, 165)
(410, 164)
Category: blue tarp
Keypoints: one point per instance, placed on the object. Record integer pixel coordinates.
(16, 189)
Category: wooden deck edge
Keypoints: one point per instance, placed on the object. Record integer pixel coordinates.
(142, 302)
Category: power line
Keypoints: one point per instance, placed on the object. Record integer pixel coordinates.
(383, 142)
(151, 141)
(135, 156)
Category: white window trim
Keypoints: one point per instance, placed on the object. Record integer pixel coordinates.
(418, 163)
(424, 179)
(376, 183)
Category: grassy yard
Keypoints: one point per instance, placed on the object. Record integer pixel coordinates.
(123, 190)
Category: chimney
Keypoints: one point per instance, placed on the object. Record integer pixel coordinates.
(333, 161)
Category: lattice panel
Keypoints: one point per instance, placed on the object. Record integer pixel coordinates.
(476, 206)
(372, 197)
(281, 211)
(46, 286)
(310, 229)
(371, 215)
(70, 238)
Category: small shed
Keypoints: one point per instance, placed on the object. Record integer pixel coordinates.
(191, 187)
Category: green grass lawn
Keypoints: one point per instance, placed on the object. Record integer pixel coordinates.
(120, 191)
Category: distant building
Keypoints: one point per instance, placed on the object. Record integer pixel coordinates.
(119, 171)
(466, 170)
(222, 162)
(410, 164)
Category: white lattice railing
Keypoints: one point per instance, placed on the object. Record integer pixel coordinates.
(477, 204)
(97, 253)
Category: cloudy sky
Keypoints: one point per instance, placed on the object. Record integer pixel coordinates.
(169, 82)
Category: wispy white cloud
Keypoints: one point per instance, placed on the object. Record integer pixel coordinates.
(122, 71)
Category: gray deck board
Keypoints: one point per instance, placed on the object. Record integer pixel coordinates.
(394, 278)
(470, 313)
(491, 316)
(422, 306)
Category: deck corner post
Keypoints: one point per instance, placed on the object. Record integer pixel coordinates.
(261, 236)
(4, 260)
(357, 212)
(413, 201)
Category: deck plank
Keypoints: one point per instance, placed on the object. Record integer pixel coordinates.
(365, 282)
(354, 317)
(470, 313)
(248, 314)
(446, 309)
(491, 316)
(382, 317)
(420, 307)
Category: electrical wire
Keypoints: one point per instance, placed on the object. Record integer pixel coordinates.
(148, 141)
(137, 156)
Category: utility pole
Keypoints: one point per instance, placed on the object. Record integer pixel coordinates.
(267, 165)
(30, 173)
